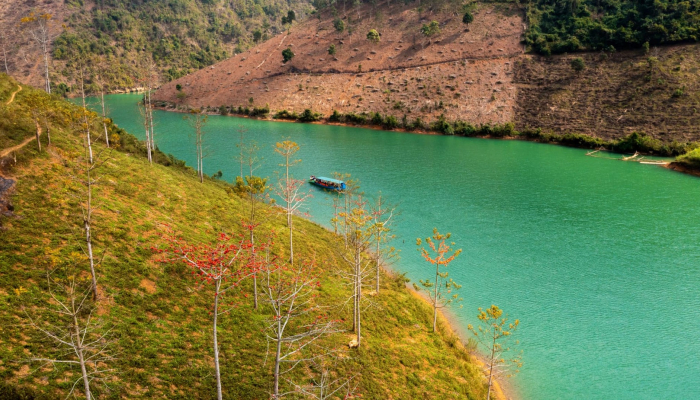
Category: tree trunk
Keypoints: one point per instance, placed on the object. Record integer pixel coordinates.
(38, 132)
(48, 130)
(79, 351)
(493, 356)
(104, 118)
(435, 299)
(216, 343)
(278, 354)
(46, 65)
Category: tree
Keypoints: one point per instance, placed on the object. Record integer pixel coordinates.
(37, 105)
(287, 55)
(468, 18)
(494, 334)
(103, 86)
(221, 266)
(148, 76)
(356, 257)
(331, 49)
(289, 18)
(257, 35)
(4, 44)
(433, 28)
(197, 121)
(577, 64)
(373, 36)
(289, 189)
(78, 337)
(296, 323)
(352, 187)
(339, 25)
(39, 27)
(382, 217)
(443, 256)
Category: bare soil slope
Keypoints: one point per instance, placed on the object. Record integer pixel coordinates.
(656, 93)
(462, 73)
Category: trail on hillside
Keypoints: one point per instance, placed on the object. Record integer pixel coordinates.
(12, 98)
(9, 150)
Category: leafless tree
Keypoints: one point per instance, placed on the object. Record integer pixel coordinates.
(103, 85)
(382, 218)
(352, 188)
(198, 120)
(290, 189)
(39, 28)
(296, 324)
(143, 111)
(149, 71)
(356, 257)
(4, 44)
(325, 385)
(78, 337)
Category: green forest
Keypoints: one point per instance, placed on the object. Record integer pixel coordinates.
(181, 35)
(559, 26)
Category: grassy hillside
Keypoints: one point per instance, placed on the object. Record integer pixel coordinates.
(160, 324)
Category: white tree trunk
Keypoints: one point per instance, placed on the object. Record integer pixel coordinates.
(216, 343)
(104, 117)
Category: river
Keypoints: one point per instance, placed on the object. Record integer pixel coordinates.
(599, 259)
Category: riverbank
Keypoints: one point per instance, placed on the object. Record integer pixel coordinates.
(635, 142)
(448, 327)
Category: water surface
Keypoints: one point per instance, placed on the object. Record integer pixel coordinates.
(599, 259)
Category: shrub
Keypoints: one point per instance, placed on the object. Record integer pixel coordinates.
(390, 122)
(637, 141)
(287, 55)
(377, 119)
(442, 126)
(678, 92)
(373, 36)
(284, 114)
(339, 25)
(260, 111)
(331, 49)
(577, 64)
(309, 116)
(335, 117)
(433, 28)
(468, 18)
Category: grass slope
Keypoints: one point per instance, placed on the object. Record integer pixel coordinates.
(161, 325)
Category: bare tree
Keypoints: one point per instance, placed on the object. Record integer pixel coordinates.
(39, 28)
(356, 257)
(382, 218)
(198, 120)
(145, 119)
(289, 189)
(103, 85)
(296, 323)
(324, 385)
(352, 188)
(3, 44)
(78, 338)
(84, 111)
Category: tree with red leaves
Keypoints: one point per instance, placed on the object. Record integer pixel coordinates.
(221, 266)
(296, 323)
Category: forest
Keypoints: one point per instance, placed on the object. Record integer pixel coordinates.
(560, 26)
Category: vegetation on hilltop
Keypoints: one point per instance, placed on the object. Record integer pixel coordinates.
(573, 25)
(158, 320)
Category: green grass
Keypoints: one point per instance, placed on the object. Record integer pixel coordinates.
(161, 326)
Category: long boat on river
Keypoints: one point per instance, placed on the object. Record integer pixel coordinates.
(327, 183)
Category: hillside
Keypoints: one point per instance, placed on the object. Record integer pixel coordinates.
(476, 73)
(159, 320)
(180, 36)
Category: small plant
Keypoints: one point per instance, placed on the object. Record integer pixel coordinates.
(577, 64)
(178, 87)
(373, 36)
(331, 50)
(468, 18)
(433, 28)
(359, 67)
(678, 92)
(250, 100)
(339, 25)
(287, 55)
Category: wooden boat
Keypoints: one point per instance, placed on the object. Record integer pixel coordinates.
(327, 183)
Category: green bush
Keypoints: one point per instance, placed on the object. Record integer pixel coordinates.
(287, 55)
(284, 114)
(577, 64)
(309, 116)
(339, 25)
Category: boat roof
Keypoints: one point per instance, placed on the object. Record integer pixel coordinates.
(323, 178)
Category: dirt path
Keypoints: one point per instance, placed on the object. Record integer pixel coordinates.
(12, 98)
(9, 150)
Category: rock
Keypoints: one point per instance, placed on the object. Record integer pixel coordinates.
(355, 49)
(453, 76)
(372, 52)
(353, 343)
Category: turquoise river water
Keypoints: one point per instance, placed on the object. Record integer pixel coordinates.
(599, 259)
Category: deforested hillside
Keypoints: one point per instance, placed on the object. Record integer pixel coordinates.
(610, 96)
(462, 71)
(154, 318)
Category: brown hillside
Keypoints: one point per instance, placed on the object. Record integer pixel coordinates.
(462, 73)
(24, 59)
(614, 95)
